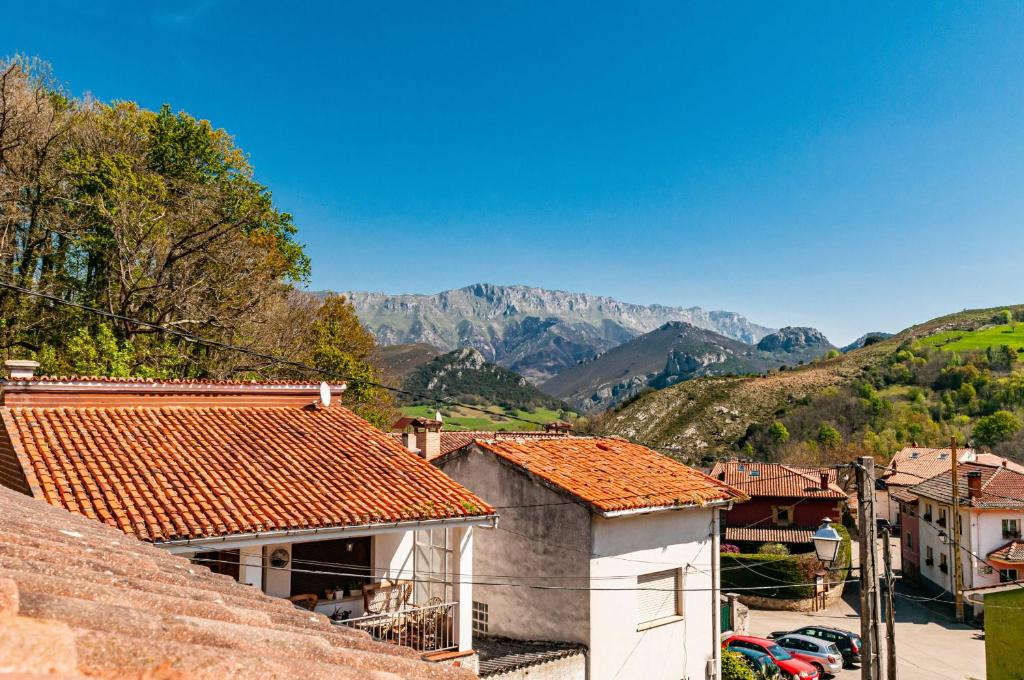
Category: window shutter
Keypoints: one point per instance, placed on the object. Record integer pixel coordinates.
(657, 595)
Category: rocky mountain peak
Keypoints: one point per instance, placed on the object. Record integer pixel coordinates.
(793, 339)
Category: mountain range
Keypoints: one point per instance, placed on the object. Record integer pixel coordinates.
(532, 331)
(675, 352)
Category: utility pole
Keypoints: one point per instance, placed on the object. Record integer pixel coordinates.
(955, 534)
(890, 614)
(871, 666)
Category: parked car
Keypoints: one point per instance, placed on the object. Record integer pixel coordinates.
(823, 655)
(792, 668)
(763, 666)
(847, 642)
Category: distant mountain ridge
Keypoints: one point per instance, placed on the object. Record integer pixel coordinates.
(533, 331)
(675, 352)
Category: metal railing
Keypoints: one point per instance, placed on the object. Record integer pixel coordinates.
(425, 629)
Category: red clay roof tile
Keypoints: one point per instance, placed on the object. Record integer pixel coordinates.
(612, 474)
(775, 480)
(178, 472)
(79, 599)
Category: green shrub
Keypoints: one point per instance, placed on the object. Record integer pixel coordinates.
(773, 549)
(734, 667)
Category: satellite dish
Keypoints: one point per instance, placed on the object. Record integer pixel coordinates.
(325, 394)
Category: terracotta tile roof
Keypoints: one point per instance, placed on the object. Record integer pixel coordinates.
(768, 535)
(1000, 487)
(185, 472)
(913, 464)
(610, 474)
(78, 598)
(1011, 552)
(456, 439)
(775, 480)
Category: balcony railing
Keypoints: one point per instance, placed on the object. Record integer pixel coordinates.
(425, 629)
(941, 521)
(1011, 534)
(929, 561)
(944, 568)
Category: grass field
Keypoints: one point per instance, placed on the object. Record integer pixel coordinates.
(458, 418)
(995, 336)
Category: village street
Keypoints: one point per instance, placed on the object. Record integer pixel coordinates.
(929, 645)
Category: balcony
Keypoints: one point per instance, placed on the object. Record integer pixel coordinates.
(941, 521)
(929, 562)
(927, 517)
(426, 629)
(944, 568)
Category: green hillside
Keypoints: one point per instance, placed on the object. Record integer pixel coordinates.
(458, 418)
(955, 376)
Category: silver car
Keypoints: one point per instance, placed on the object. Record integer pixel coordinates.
(821, 654)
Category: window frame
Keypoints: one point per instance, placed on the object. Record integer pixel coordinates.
(1004, 575)
(676, 598)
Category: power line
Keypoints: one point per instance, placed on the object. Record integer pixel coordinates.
(508, 585)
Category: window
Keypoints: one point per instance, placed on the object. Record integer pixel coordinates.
(479, 617)
(784, 515)
(914, 455)
(943, 456)
(929, 556)
(1007, 575)
(219, 562)
(1011, 529)
(942, 517)
(659, 596)
(741, 467)
(755, 473)
(910, 540)
(943, 567)
(432, 565)
(351, 555)
(927, 512)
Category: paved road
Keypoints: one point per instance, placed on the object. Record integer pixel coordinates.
(930, 646)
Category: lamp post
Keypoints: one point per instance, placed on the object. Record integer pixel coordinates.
(826, 542)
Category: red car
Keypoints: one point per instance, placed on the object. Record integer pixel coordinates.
(792, 667)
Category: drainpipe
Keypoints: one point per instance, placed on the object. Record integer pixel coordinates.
(716, 605)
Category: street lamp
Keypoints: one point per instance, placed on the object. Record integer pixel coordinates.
(826, 542)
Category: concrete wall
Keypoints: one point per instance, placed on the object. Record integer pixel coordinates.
(545, 543)
(568, 668)
(1004, 635)
(642, 544)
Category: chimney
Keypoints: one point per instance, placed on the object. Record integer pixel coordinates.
(19, 369)
(409, 441)
(973, 484)
(428, 437)
(824, 481)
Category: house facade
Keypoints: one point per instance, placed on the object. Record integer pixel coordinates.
(603, 543)
(990, 520)
(908, 467)
(269, 483)
(1004, 628)
(787, 503)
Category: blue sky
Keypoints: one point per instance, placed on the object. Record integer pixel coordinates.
(851, 166)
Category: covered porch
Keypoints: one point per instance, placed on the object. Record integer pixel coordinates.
(407, 585)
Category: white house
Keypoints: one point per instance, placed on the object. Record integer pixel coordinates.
(603, 543)
(991, 517)
(908, 467)
(270, 483)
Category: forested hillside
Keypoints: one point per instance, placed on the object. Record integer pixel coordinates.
(155, 216)
(956, 376)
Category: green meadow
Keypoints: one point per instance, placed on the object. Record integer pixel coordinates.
(459, 418)
(995, 336)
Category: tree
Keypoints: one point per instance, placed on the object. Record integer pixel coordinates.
(829, 437)
(338, 342)
(996, 428)
(1004, 316)
(778, 433)
(832, 354)
(150, 215)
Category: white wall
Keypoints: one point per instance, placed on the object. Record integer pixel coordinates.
(546, 543)
(986, 535)
(642, 544)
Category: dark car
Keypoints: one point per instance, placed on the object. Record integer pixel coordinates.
(847, 642)
(763, 665)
